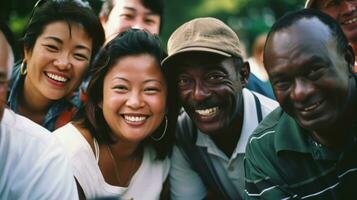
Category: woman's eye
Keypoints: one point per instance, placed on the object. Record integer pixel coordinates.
(120, 88)
(215, 77)
(51, 48)
(151, 90)
(80, 57)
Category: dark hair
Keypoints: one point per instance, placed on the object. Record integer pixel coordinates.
(130, 42)
(156, 6)
(4, 28)
(292, 17)
(70, 11)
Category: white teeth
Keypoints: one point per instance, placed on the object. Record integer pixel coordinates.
(350, 21)
(56, 77)
(312, 106)
(134, 118)
(208, 111)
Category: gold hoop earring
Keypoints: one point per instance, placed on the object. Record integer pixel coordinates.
(163, 134)
(23, 68)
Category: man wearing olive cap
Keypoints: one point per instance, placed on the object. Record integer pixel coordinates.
(205, 62)
(343, 11)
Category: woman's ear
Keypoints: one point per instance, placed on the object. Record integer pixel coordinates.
(27, 53)
(244, 73)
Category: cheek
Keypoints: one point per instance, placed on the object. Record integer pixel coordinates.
(79, 70)
(157, 104)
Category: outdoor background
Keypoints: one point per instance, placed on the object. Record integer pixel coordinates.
(248, 18)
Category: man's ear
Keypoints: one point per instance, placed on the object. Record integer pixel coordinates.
(350, 58)
(244, 74)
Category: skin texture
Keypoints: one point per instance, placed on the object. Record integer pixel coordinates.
(127, 93)
(60, 51)
(130, 14)
(311, 80)
(209, 87)
(4, 53)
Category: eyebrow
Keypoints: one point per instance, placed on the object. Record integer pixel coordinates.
(134, 10)
(78, 46)
(146, 81)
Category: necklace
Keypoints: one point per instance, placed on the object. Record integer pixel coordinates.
(131, 170)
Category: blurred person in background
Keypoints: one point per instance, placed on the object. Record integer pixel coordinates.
(60, 41)
(258, 79)
(343, 11)
(117, 16)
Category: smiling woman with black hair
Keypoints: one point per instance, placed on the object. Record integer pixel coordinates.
(60, 41)
(119, 145)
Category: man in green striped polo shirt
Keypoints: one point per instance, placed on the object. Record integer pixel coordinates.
(307, 148)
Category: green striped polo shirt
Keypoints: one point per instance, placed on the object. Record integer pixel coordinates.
(282, 161)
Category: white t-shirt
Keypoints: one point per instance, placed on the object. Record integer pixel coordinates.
(146, 183)
(33, 165)
(185, 183)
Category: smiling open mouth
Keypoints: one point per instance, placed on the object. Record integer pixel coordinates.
(56, 77)
(350, 21)
(313, 106)
(208, 112)
(135, 118)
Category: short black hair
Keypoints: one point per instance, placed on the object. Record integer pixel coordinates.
(292, 17)
(156, 6)
(130, 42)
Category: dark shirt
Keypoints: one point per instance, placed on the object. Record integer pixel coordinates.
(284, 162)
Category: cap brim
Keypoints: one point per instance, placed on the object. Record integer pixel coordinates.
(193, 49)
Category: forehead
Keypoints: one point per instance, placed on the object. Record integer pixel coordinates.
(130, 65)
(136, 5)
(305, 38)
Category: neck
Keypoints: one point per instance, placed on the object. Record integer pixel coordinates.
(32, 103)
(125, 150)
(227, 138)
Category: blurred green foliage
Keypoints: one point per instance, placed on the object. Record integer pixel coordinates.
(248, 18)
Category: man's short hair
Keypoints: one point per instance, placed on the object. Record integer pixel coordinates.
(290, 18)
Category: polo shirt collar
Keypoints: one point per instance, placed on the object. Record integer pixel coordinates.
(290, 136)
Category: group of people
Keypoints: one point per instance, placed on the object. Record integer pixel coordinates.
(130, 121)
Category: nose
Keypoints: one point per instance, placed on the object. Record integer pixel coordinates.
(62, 62)
(138, 24)
(200, 92)
(135, 100)
(301, 90)
(348, 6)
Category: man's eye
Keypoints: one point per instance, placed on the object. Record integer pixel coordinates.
(281, 84)
(332, 3)
(182, 81)
(215, 77)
